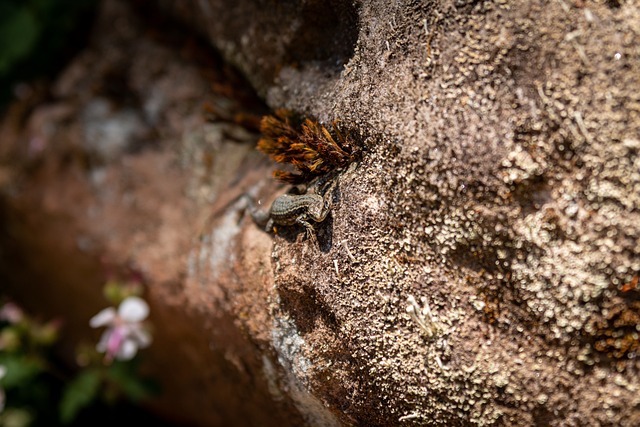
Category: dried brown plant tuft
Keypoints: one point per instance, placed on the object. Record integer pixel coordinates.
(305, 144)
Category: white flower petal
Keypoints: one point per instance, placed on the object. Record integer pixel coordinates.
(3, 371)
(104, 340)
(103, 318)
(133, 309)
(141, 336)
(127, 350)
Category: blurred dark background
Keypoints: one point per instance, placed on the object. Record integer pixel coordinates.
(37, 37)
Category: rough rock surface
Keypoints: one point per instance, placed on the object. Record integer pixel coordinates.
(480, 268)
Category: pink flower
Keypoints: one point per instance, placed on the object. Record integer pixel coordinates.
(125, 332)
(11, 313)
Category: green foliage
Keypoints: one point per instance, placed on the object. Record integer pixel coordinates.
(125, 376)
(40, 389)
(35, 37)
(28, 379)
(19, 32)
(109, 384)
(79, 393)
(21, 369)
(116, 292)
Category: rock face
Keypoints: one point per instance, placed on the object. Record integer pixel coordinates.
(481, 266)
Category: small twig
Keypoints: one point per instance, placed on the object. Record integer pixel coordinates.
(583, 128)
(410, 416)
(349, 254)
(422, 316)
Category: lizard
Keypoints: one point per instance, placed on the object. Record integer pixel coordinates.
(301, 209)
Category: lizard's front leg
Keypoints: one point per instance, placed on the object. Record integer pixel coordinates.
(310, 231)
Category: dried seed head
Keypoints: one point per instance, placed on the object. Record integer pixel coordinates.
(305, 144)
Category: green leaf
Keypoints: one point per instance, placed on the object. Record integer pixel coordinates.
(125, 375)
(78, 394)
(20, 369)
(18, 36)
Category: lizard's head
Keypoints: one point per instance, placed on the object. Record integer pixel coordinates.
(318, 211)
